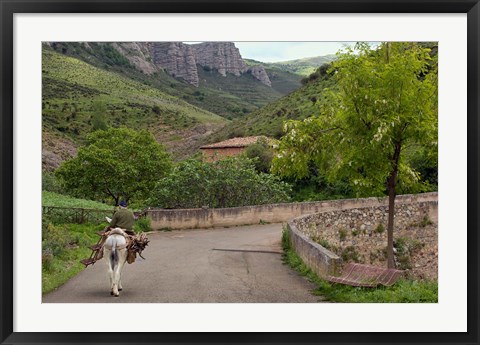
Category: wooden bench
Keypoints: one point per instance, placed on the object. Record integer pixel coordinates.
(366, 275)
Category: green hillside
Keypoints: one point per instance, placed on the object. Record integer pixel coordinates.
(78, 98)
(233, 90)
(70, 87)
(303, 67)
(269, 120)
(283, 81)
(229, 96)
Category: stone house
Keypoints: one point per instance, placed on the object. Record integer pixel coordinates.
(228, 148)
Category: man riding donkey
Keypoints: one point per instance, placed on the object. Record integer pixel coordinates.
(123, 218)
(119, 243)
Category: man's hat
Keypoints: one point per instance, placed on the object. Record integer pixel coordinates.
(123, 203)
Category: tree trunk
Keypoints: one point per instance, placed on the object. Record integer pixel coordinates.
(114, 197)
(392, 192)
(391, 212)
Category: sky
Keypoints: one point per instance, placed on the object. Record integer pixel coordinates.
(283, 51)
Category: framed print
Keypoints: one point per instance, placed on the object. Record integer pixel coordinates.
(150, 94)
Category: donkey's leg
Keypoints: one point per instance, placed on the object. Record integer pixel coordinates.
(122, 258)
(116, 279)
(108, 257)
(115, 289)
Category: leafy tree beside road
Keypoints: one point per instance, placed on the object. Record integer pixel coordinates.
(385, 109)
(230, 182)
(117, 163)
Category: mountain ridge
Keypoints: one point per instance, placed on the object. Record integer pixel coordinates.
(217, 93)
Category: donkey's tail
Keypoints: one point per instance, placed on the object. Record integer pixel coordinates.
(114, 255)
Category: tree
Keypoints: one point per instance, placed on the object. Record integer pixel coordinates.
(262, 154)
(116, 163)
(230, 182)
(386, 103)
(98, 118)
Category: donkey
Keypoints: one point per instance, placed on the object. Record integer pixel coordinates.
(115, 252)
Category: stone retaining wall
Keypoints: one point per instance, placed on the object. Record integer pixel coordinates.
(272, 213)
(359, 235)
(321, 260)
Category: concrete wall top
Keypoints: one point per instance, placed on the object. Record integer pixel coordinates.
(361, 202)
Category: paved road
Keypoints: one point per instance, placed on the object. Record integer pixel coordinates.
(239, 264)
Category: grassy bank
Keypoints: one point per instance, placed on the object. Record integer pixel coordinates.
(59, 200)
(404, 291)
(63, 246)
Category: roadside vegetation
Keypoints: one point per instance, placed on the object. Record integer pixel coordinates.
(230, 182)
(63, 246)
(404, 291)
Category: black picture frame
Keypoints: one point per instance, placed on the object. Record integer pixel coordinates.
(9, 8)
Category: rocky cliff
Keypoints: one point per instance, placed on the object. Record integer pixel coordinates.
(259, 73)
(180, 60)
(177, 59)
(222, 56)
(138, 54)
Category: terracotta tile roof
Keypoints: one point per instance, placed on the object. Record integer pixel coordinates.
(234, 142)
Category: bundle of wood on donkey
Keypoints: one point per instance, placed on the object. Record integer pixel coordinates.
(118, 247)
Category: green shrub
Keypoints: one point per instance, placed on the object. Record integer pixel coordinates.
(262, 154)
(380, 254)
(55, 238)
(380, 229)
(408, 245)
(47, 260)
(425, 221)
(143, 224)
(323, 242)
(50, 183)
(285, 238)
(350, 254)
(406, 248)
(342, 234)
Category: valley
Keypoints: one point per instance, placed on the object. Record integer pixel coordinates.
(90, 86)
